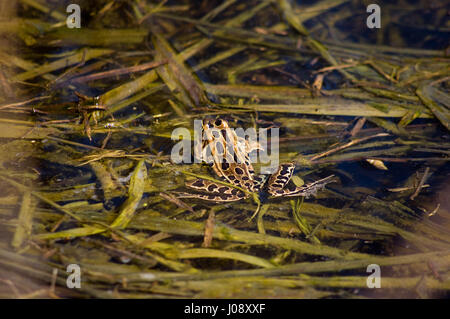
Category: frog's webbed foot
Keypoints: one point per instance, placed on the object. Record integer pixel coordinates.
(306, 190)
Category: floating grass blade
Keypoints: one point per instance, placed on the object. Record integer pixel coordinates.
(135, 192)
(24, 224)
(442, 114)
(83, 55)
(321, 106)
(181, 76)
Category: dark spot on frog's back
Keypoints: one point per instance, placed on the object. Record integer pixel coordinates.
(225, 166)
(238, 171)
(222, 189)
(285, 170)
(282, 179)
(224, 134)
(212, 187)
(198, 183)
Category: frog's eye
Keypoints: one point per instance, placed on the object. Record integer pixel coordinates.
(218, 122)
(206, 123)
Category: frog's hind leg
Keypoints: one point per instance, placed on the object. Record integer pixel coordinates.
(214, 197)
(306, 191)
(216, 192)
(210, 187)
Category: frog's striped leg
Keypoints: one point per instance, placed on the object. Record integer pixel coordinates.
(306, 191)
(211, 187)
(214, 197)
(280, 178)
(217, 192)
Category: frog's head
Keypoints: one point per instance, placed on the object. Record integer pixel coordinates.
(215, 123)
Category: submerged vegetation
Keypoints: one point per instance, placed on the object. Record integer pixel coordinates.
(86, 117)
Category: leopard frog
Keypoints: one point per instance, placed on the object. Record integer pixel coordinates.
(231, 162)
